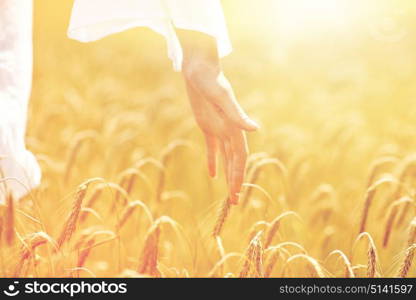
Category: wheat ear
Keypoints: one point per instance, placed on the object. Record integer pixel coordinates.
(71, 222)
(407, 262)
(222, 216)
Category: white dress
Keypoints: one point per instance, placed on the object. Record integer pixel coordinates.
(19, 171)
(95, 19)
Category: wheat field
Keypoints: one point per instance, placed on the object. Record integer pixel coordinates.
(330, 186)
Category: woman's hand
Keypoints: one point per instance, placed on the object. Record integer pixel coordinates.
(216, 109)
(222, 136)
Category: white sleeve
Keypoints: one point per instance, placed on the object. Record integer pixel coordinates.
(18, 167)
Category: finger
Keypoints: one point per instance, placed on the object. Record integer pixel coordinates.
(224, 161)
(234, 112)
(211, 154)
(229, 162)
(222, 97)
(239, 146)
(232, 109)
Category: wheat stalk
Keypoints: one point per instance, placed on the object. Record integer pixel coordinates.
(128, 211)
(256, 228)
(258, 258)
(28, 248)
(412, 232)
(71, 222)
(403, 170)
(370, 193)
(127, 181)
(377, 165)
(83, 256)
(95, 195)
(149, 261)
(9, 219)
(371, 253)
(393, 209)
(316, 267)
(253, 257)
(149, 257)
(222, 216)
(349, 273)
(255, 172)
(407, 261)
(220, 263)
(272, 262)
(275, 224)
(221, 251)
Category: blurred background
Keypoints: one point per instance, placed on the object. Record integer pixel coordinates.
(332, 83)
(322, 60)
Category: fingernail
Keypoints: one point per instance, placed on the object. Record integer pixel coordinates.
(253, 124)
(234, 199)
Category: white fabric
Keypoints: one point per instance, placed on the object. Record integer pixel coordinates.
(19, 171)
(95, 19)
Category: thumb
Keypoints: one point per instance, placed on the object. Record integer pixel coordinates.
(237, 115)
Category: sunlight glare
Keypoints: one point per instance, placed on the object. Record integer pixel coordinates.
(304, 16)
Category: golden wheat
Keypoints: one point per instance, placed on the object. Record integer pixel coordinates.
(336, 151)
(349, 273)
(253, 258)
(222, 216)
(371, 253)
(407, 261)
(370, 193)
(71, 222)
(9, 221)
